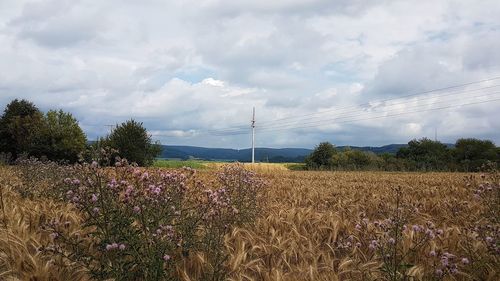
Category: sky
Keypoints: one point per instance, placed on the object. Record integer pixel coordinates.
(351, 72)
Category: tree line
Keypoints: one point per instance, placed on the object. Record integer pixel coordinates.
(25, 131)
(468, 155)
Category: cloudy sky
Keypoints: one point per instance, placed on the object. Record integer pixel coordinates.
(346, 71)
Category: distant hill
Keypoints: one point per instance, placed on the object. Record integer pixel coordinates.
(261, 154)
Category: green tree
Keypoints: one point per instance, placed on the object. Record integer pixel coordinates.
(426, 154)
(19, 126)
(471, 154)
(321, 157)
(60, 138)
(133, 143)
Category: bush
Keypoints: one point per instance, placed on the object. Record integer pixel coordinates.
(25, 130)
(19, 126)
(144, 224)
(321, 157)
(60, 138)
(471, 154)
(133, 143)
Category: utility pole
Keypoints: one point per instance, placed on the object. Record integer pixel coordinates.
(436, 134)
(253, 136)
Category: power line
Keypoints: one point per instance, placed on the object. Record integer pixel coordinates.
(345, 115)
(266, 123)
(239, 130)
(391, 99)
(364, 113)
(375, 117)
(397, 114)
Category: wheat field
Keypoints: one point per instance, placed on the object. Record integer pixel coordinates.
(316, 226)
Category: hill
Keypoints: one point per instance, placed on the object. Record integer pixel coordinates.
(262, 154)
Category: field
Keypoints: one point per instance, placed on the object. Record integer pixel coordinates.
(315, 226)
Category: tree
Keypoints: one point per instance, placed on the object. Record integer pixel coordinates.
(60, 138)
(426, 154)
(19, 127)
(133, 143)
(321, 157)
(472, 153)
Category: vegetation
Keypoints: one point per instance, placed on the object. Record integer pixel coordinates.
(25, 130)
(321, 157)
(126, 223)
(317, 225)
(172, 164)
(419, 155)
(131, 141)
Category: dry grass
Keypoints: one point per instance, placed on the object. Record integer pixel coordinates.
(308, 212)
(256, 167)
(21, 236)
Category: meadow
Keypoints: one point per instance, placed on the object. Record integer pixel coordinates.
(312, 226)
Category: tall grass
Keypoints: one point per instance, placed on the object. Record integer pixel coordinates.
(316, 226)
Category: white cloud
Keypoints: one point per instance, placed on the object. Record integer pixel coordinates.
(183, 67)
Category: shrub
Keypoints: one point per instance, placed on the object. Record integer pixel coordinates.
(133, 143)
(321, 157)
(144, 224)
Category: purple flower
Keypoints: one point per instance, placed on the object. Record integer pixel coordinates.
(137, 209)
(358, 226)
(439, 272)
(95, 210)
(432, 253)
(439, 232)
(465, 260)
(54, 235)
(122, 247)
(489, 239)
(166, 257)
(416, 228)
(93, 198)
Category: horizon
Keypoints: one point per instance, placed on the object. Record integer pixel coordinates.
(353, 73)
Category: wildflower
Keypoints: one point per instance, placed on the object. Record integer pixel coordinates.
(444, 261)
(432, 253)
(122, 247)
(391, 241)
(54, 235)
(416, 228)
(94, 164)
(166, 257)
(95, 210)
(439, 232)
(439, 272)
(465, 260)
(137, 209)
(93, 198)
(489, 239)
(358, 226)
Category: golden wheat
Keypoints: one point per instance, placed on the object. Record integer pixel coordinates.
(307, 213)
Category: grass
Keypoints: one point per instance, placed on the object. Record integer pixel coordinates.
(309, 214)
(212, 165)
(175, 164)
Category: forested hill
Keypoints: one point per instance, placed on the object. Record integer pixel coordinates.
(261, 154)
